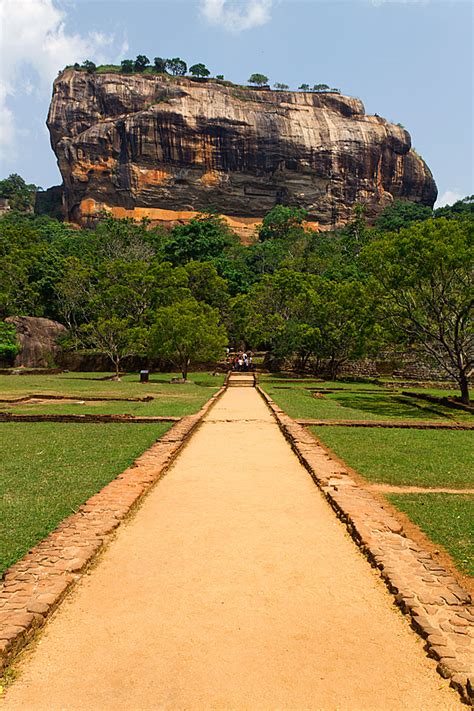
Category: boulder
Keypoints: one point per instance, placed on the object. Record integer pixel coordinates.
(38, 340)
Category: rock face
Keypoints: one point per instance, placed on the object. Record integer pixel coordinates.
(37, 338)
(154, 146)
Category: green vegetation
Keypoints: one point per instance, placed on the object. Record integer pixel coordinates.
(186, 333)
(423, 276)
(446, 519)
(402, 214)
(20, 196)
(178, 67)
(168, 399)
(50, 469)
(199, 70)
(258, 79)
(355, 401)
(313, 301)
(427, 458)
(8, 343)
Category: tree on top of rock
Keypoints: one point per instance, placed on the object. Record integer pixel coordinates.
(258, 79)
(141, 63)
(160, 64)
(281, 87)
(176, 66)
(199, 70)
(127, 66)
(89, 66)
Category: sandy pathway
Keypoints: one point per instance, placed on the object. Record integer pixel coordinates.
(234, 587)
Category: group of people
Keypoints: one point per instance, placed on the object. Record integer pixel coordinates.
(240, 362)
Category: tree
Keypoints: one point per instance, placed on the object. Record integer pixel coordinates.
(141, 62)
(8, 343)
(89, 66)
(127, 65)
(402, 213)
(116, 337)
(160, 64)
(205, 284)
(258, 79)
(423, 276)
(220, 77)
(199, 70)
(281, 87)
(304, 87)
(461, 208)
(187, 332)
(202, 239)
(280, 221)
(176, 66)
(321, 87)
(19, 194)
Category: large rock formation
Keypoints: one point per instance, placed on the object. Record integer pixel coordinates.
(38, 340)
(165, 147)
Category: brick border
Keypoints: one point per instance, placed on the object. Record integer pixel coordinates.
(82, 419)
(440, 610)
(32, 588)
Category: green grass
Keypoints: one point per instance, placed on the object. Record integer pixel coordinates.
(49, 469)
(355, 401)
(404, 457)
(169, 399)
(447, 519)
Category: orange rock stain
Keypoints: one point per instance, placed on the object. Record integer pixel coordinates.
(244, 227)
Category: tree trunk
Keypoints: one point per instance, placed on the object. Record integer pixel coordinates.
(117, 368)
(184, 369)
(464, 386)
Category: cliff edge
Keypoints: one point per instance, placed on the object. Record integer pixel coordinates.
(165, 147)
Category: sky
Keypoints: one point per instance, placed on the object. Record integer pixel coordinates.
(410, 61)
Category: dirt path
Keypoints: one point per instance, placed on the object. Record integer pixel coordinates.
(394, 489)
(234, 587)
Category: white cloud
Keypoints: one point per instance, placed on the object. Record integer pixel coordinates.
(236, 16)
(33, 36)
(448, 198)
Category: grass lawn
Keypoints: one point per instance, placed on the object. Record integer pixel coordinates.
(403, 457)
(49, 469)
(447, 519)
(169, 399)
(354, 401)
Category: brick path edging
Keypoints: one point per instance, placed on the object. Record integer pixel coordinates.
(440, 610)
(32, 588)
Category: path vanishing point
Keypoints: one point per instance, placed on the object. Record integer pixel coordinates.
(234, 586)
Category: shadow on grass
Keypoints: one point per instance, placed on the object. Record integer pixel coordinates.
(389, 406)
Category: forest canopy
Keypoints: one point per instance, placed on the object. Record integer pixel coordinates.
(314, 300)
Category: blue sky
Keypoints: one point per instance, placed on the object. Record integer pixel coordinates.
(410, 61)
